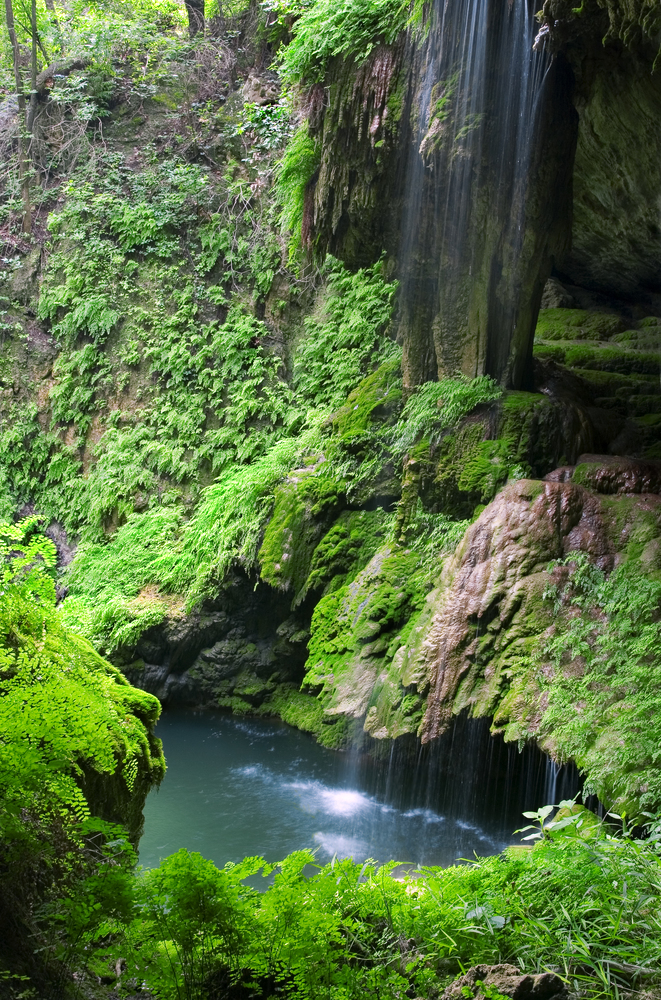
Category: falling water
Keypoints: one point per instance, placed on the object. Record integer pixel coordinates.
(473, 114)
(236, 787)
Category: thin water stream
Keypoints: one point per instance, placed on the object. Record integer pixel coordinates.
(238, 787)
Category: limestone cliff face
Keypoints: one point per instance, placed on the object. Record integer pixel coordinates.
(479, 641)
(590, 211)
(356, 119)
(489, 614)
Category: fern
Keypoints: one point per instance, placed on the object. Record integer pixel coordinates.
(349, 28)
(297, 168)
(347, 336)
(437, 406)
(605, 715)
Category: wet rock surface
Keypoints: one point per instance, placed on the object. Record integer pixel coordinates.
(615, 474)
(489, 612)
(242, 645)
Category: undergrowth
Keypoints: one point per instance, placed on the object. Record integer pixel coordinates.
(586, 910)
(351, 29)
(437, 406)
(606, 688)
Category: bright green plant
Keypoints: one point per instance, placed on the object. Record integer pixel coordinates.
(350, 326)
(588, 910)
(296, 170)
(202, 919)
(603, 715)
(66, 718)
(350, 29)
(437, 406)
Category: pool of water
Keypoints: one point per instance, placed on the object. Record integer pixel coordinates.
(237, 787)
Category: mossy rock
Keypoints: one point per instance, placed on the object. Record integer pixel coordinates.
(357, 630)
(606, 359)
(609, 383)
(360, 442)
(377, 399)
(577, 324)
(549, 352)
(523, 435)
(612, 359)
(347, 547)
(304, 505)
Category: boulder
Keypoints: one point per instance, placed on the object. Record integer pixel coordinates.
(507, 980)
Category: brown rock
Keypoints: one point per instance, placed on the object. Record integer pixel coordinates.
(613, 474)
(507, 979)
(498, 566)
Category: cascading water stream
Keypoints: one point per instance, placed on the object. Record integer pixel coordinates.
(474, 107)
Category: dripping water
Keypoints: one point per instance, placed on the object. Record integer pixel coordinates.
(473, 111)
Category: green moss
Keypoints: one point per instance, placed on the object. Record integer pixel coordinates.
(360, 448)
(611, 359)
(357, 630)
(471, 465)
(237, 706)
(347, 547)
(303, 506)
(295, 708)
(604, 359)
(576, 324)
(376, 399)
(548, 352)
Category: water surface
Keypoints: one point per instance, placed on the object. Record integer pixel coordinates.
(237, 787)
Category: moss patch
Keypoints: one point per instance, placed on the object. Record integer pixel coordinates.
(303, 506)
(577, 324)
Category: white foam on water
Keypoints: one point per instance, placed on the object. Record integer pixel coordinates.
(426, 814)
(317, 798)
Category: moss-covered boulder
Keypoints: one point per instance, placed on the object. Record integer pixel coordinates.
(523, 434)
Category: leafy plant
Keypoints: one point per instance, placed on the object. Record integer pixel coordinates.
(612, 624)
(436, 406)
(297, 168)
(351, 29)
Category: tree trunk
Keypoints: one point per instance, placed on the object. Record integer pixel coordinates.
(23, 172)
(195, 11)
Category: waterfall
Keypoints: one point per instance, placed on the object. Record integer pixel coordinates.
(467, 772)
(467, 262)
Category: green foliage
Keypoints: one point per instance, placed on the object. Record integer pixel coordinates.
(349, 326)
(62, 706)
(89, 273)
(200, 919)
(36, 465)
(576, 324)
(296, 170)
(589, 910)
(350, 29)
(228, 523)
(568, 819)
(437, 406)
(65, 716)
(606, 692)
(224, 367)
